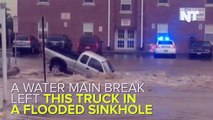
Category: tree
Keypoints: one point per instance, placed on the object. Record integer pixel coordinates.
(9, 28)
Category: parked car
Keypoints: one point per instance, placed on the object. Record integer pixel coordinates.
(25, 43)
(87, 63)
(59, 42)
(90, 43)
(165, 46)
(200, 48)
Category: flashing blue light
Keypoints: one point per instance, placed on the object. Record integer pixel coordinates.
(160, 38)
(167, 38)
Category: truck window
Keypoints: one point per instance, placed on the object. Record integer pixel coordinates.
(95, 64)
(84, 59)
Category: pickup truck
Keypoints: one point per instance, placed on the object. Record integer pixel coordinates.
(87, 63)
(200, 48)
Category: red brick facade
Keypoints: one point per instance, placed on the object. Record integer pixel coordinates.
(126, 24)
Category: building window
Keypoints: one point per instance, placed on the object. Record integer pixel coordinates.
(126, 6)
(120, 44)
(125, 22)
(43, 2)
(162, 28)
(120, 33)
(131, 34)
(130, 44)
(163, 2)
(88, 28)
(209, 33)
(40, 29)
(209, 3)
(88, 2)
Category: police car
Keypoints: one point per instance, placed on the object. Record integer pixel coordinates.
(164, 46)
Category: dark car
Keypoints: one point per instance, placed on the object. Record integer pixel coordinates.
(90, 43)
(200, 48)
(24, 43)
(59, 43)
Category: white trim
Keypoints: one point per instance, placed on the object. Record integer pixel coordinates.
(109, 18)
(46, 28)
(125, 22)
(88, 27)
(126, 2)
(162, 28)
(163, 4)
(88, 3)
(125, 12)
(43, 3)
(142, 13)
(208, 5)
(208, 28)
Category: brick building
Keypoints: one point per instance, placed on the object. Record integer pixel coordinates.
(123, 25)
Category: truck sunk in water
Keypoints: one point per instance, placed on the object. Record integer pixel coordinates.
(87, 63)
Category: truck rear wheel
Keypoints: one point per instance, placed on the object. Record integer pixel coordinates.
(57, 67)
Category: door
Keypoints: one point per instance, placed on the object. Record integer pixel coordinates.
(125, 39)
(81, 65)
(94, 67)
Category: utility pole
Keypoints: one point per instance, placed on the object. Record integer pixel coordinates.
(15, 30)
(4, 49)
(142, 24)
(43, 45)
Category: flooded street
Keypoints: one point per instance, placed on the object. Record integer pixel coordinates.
(178, 89)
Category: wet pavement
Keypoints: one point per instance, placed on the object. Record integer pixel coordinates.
(146, 63)
(138, 62)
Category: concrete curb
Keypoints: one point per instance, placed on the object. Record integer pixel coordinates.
(11, 72)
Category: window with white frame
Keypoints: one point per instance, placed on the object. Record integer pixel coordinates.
(120, 33)
(88, 28)
(120, 44)
(126, 6)
(209, 32)
(40, 29)
(43, 2)
(131, 34)
(209, 1)
(162, 28)
(163, 1)
(88, 2)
